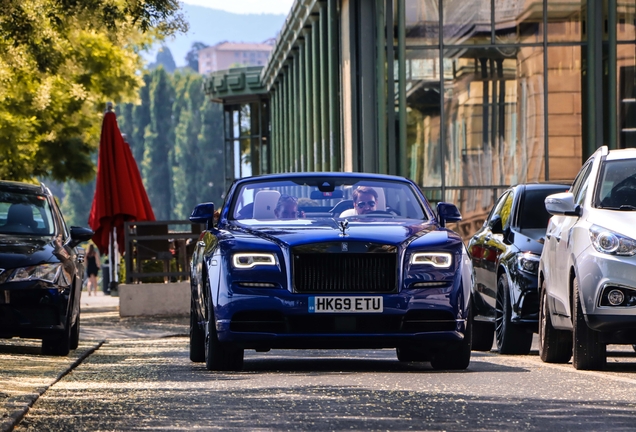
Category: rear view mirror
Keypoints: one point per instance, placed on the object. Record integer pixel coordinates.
(203, 214)
(496, 226)
(318, 195)
(448, 212)
(562, 204)
(80, 235)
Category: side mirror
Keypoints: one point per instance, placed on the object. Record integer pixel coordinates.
(447, 212)
(80, 235)
(562, 204)
(203, 214)
(496, 226)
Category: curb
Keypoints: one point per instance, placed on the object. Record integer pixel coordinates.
(11, 421)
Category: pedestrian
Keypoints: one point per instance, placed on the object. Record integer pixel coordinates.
(92, 268)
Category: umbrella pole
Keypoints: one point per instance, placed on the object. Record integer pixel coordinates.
(112, 251)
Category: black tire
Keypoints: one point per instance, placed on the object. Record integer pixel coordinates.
(220, 356)
(483, 334)
(511, 339)
(456, 356)
(75, 334)
(410, 355)
(589, 352)
(58, 345)
(197, 337)
(555, 346)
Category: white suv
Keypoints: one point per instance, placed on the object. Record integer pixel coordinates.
(587, 271)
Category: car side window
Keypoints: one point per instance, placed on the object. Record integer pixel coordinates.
(579, 187)
(502, 208)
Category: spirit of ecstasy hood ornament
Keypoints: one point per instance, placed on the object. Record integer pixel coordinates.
(343, 228)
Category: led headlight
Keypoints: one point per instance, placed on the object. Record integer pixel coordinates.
(435, 259)
(610, 242)
(247, 260)
(43, 272)
(528, 262)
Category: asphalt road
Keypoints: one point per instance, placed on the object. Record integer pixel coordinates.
(140, 378)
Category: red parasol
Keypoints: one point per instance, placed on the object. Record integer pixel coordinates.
(120, 195)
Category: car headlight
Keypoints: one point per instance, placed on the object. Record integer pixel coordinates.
(44, 272)
(435, 259)
(528, 262)
(247, 260)
(610, 242)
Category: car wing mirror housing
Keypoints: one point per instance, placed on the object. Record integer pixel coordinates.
(562, 204)
(203, 214)
(80, 235)
(496, 226)
(448, 212)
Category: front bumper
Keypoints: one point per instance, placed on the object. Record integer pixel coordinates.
(282, 319)
(32, 309)
(596, 272)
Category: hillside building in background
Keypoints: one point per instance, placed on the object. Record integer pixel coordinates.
(229, 54)
(466, 97)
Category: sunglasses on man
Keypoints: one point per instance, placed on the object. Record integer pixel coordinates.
(361, 204)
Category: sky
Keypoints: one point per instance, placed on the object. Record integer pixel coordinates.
(246, 6)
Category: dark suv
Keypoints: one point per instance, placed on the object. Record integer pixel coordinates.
(41, 269)
(505, 254)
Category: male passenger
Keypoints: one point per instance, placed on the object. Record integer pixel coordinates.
(287, 208)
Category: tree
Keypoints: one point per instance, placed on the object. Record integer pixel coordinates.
(164, 58)
(78, 198)
(141, 120)
(211, 179)
(60, 61)
(158, 145)
(192, 57)
(187, 153)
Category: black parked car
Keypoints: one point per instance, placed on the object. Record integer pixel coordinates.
(505, 254)
(41, 269)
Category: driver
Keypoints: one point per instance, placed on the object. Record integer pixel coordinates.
(364, 200)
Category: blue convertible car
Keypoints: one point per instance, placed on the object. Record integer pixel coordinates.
(329, 260)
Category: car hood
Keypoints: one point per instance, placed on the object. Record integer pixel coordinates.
(22, 251)
(622, 222)
(377, 230)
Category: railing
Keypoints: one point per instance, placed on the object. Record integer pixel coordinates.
(155, 242)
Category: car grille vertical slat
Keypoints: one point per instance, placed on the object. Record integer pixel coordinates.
(345, 272)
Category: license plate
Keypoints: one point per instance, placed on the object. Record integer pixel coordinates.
(345, 304)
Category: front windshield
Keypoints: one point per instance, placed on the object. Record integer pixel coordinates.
(25, 214)
(314, 198)
(617, 186)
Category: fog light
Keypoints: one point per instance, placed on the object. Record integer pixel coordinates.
(615, 297)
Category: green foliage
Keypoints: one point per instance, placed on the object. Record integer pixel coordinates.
(192, 57)
(158, 145)
(60, 61)
(76, 205)
(141, 120)
(164, 58)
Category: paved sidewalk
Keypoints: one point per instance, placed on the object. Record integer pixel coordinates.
(25, 373)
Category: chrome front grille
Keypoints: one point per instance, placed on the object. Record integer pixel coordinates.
(345, 272)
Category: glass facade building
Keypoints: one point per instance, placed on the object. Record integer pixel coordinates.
(466, 97)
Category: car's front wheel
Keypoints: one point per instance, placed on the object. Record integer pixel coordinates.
(555, 346)
(483, 334)
(220, 356)
(75, 333)
(511, 339)
(197, 337)
(456, 356)
(589, 352)
(60, 344)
